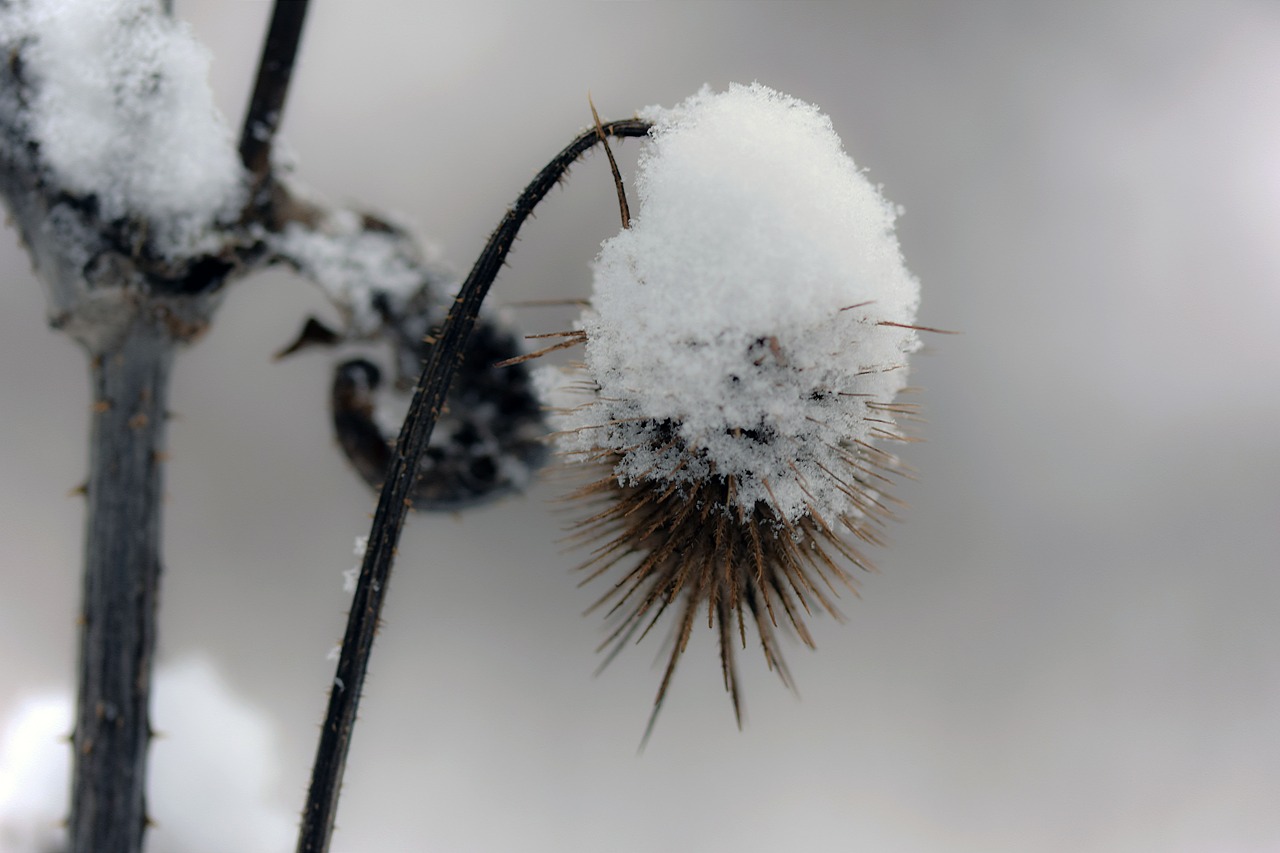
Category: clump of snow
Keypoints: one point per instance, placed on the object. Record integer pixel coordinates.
(738, 328)
(358, 267)
(218, 758)
(34, 775)
(211, 771)
(122, 110)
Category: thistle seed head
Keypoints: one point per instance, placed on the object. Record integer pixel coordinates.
(744, 349)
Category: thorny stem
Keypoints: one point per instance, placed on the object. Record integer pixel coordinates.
(123, 531)
(393, 504)
(275, 69)
(121, 583)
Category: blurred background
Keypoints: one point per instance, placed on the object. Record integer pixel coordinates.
(1072, 644)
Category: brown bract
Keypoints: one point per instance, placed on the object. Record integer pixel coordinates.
(692, 547)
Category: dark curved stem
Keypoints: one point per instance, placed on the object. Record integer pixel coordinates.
(393, 504)
(275, 69)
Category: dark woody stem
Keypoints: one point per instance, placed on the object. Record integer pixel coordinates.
(275, 70)
(122, 562)
(394, 503)
(121, 584)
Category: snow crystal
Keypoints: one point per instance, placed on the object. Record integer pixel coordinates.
(738, 328)
(122, 110)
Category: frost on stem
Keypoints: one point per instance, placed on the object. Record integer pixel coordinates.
(746, 341)
(123, 113)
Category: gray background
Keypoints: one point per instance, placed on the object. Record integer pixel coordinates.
(1072, 644)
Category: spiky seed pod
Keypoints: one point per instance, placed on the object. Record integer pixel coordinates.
(699, 546)
(390, 290)
(489, 440)
(747, 339)
(691, 543)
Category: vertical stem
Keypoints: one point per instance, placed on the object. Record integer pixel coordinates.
(121, 584)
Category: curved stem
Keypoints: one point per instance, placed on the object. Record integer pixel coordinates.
(393, 504)
(121, 585)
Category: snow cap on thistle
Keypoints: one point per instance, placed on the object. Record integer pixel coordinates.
(747, 336)
(752, 320)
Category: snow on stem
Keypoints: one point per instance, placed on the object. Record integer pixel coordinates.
(123, 112)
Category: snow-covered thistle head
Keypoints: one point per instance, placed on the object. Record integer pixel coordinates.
(747, 338)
